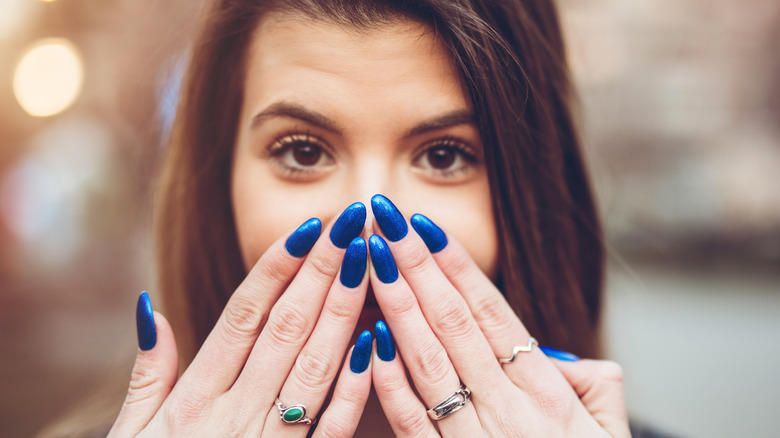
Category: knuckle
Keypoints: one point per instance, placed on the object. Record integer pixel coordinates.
(243, 317)
(353, 398)
(314, 370)
(610, 371)
(390, 386)
(275, 269)
(234, 426)
(555, 404)
(342, 311)
(411, 422)
(335, 429)
(323, 268)
(185, 412)
(458, 263)
(417, 259)
(403, 305)
(287, 327)
(493, 313)
(455, 322)
(432, 363)
(144, 385)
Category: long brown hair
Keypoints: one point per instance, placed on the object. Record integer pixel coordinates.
(510, 55)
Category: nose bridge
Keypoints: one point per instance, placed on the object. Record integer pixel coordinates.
(370, 175)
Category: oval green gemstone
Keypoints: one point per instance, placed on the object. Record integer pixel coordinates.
(293, 414)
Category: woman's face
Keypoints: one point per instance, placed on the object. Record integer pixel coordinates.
(333, 115)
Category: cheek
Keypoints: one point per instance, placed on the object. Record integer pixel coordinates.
(262, 212)
(467, 215)
(475, 230)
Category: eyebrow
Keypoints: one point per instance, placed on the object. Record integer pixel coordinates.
(454, 118)
(297, 111)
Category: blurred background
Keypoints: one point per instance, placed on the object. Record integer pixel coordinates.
(680, 104)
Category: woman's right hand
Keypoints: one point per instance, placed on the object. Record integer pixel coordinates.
(282, 333)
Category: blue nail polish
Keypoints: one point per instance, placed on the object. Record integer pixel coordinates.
(354, 265)
(558, 354)
(382, 259)
(431, 234)
(390, 220)
(385, 348)
(349, 225)
(361, 354)
(144, 322)
(302, 239)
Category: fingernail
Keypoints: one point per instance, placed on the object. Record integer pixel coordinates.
(144, 323)
(382, 259)
(431, 234)
(390, 220)
(558, 354)
(354, 265)
(348, 225)
(361, 354)
(302, 239)
(385, 348)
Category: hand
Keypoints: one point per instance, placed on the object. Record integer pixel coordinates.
(283, 333)
(450, 324)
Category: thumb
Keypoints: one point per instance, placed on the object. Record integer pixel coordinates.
(154, 373)
(599, 384)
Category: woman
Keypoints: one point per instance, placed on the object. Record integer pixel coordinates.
(458, 110)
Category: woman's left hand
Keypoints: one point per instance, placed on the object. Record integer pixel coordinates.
(450, 324)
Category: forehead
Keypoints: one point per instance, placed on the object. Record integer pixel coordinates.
(400, 62)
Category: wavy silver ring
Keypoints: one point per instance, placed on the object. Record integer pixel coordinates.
(451, 404)
(295, 414)
(519, 349)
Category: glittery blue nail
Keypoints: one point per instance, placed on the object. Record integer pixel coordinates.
(349, 225)
(431, 234)
(382, 259)
(361, 354)
(144, 322)
(385, 348)
(390, 220)
(302, 239)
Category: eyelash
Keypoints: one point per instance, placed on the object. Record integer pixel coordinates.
(466, 152)
(283, 143)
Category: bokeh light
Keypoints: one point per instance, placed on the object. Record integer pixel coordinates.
(49, 77)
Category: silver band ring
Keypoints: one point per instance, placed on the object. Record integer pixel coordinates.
(295, 414)
(519, 349)
(451, 404)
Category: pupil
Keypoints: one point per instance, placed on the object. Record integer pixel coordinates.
(441, 158)
(306, 154)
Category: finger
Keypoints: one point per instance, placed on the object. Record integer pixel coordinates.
(444, 308)
(154, 372)
(497, 321)
(294, 315)
(353, 387)
(429, 365)
(230, 341)
(404, 411)
(316, 366)
(599, 384)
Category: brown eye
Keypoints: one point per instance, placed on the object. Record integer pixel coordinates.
(441, 157)
(446, 160)
(306, 154)
(300, 157)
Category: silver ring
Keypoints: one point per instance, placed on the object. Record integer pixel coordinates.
(519, 349)
(295, 414)
(451, 404)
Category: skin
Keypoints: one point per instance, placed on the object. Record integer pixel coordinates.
(375, 88)
(287, 329)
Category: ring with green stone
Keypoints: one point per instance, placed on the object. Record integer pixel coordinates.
(295, 414)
